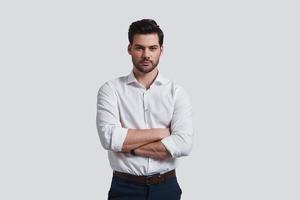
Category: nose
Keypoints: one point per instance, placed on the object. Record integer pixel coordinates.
(146, 54)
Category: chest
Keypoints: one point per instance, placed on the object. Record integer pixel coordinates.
(153, 106)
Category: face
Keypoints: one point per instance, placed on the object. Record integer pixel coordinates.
(145, 52)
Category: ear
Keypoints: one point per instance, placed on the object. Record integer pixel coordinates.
(161, 49)
(129, 49)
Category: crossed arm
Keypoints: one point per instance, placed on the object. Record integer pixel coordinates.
(157, 143)
(147, 143)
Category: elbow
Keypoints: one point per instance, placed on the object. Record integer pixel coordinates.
(185, 147)
(105, 144)
(186, 150)
(104, 137)
(178, 145)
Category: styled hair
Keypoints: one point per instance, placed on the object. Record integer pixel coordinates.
(145, 26)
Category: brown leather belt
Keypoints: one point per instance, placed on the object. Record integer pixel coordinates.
(148, 180)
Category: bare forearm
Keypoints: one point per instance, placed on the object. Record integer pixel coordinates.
(154, 150)
(139, 137)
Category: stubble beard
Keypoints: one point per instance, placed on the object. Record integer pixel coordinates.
(141, 69)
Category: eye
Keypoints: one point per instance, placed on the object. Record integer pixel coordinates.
(153, 48)
(138, 48)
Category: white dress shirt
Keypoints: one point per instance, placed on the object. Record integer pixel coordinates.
(124, 103)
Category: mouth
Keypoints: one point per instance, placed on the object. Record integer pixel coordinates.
(146, 62)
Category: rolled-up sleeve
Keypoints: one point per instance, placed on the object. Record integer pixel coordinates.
(180, 142)
(112, 135)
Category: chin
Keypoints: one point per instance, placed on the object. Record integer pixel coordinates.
(145, 70)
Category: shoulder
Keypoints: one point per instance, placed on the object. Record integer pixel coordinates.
(177, 90)
(179, 94)
(112, 85)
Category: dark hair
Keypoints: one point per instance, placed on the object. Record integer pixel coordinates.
(145, 26)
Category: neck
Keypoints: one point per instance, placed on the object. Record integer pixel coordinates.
(146, 79)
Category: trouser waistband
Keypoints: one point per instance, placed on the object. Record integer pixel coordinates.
(148, 180)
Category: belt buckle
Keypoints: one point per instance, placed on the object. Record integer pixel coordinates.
(153, 180)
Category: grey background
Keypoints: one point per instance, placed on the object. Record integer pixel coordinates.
(239, 60)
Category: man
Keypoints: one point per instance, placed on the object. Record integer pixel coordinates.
(145, 122)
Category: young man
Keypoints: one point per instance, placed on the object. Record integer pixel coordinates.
(145, 122)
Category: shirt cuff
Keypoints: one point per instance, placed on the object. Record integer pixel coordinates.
(170, 145)
(118, 138)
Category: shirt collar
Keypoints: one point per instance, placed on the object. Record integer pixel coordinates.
(159, 78)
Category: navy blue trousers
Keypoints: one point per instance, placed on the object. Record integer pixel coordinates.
(124, 190)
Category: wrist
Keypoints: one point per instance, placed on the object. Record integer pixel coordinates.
(165, 132)
(132, 152)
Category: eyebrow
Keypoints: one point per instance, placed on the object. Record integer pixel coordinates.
(138, 45)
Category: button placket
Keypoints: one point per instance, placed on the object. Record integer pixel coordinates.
(146, 107)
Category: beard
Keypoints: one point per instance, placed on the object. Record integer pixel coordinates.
(145, 68)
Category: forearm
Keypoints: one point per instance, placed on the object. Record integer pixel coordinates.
(154, 150)
(139, 137)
